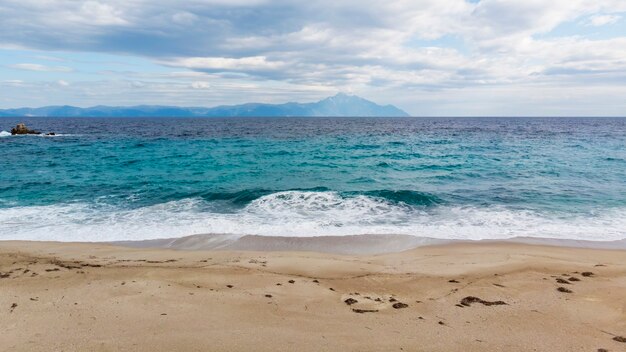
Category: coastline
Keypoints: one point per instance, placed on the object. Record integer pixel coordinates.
(350, 245)
(97, 296)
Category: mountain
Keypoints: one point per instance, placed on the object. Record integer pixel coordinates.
(338, 105)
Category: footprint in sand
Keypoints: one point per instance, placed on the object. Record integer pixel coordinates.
(350, 301)
(361, 311)
(374, 305)
(469, 300)
(620, 339)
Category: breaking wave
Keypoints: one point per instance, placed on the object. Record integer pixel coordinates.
(301, 214)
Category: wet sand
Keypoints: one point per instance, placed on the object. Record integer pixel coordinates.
(450, 297)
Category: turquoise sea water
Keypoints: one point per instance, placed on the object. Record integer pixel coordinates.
(460, 178)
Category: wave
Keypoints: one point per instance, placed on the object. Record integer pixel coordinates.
(303, 214)
(237, 198)
(8, 134)
(406, 197)
(314, 196)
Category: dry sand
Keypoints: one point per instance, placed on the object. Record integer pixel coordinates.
(96, 297)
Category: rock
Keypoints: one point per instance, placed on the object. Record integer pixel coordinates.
(22, 129)
(564, 290)
(51, 134)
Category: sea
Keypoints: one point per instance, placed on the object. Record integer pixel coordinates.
(113, 179)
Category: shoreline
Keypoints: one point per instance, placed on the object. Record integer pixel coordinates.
(442, 297)
(351, 244)
(366, 244)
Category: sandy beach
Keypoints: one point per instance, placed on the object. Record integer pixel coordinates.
(470, 297)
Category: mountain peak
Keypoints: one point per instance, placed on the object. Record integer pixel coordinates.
(344, 96)
(342, 104)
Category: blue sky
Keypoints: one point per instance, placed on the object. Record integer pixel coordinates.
(443, 57)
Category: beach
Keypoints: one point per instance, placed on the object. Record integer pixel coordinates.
(484, 296)
(313, 176)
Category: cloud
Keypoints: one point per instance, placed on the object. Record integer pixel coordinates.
(603, 20)
(97, 13)
(254, 63)
(320, 46)
(184, 18)
(200, 85)
(13, 82)
(40, 68)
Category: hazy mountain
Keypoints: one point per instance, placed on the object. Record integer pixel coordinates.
(338, 105)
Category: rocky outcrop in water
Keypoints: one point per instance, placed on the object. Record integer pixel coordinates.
(22, 129)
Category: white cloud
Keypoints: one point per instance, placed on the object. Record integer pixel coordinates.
(13, 82)
(200, 85)
(40, 68)
(253, 63)
(321, 46)
(97, 13)
(603, 20)
(136, 84)
(184, 18)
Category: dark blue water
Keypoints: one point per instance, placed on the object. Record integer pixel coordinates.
(104, 179)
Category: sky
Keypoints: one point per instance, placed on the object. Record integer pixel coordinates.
(428, 57)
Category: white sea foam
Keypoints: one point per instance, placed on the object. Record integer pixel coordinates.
(8, 134)
(301, 214)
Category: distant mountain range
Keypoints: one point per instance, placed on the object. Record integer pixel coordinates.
(338, 105)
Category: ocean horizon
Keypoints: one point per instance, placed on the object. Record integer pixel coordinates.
(467, 178)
